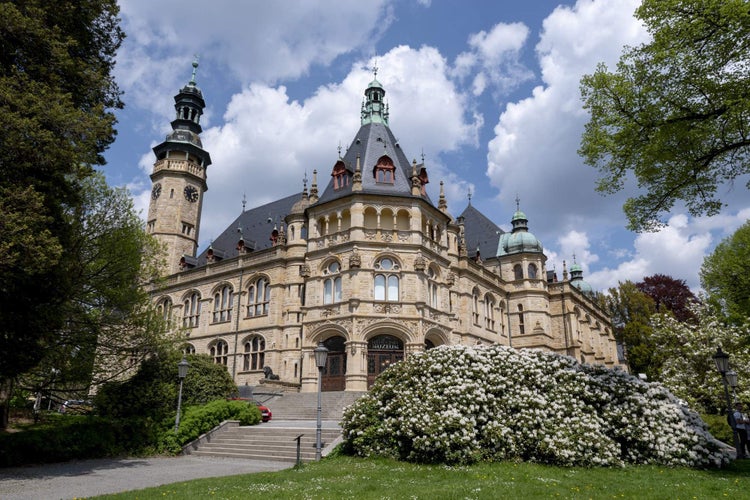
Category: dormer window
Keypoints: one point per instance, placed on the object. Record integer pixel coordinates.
(340, 175)
(384, 172)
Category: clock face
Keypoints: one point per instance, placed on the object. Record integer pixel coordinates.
(191, 194)
(156, 191)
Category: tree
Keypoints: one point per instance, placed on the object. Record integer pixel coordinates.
(688, 369)
(56, 99)
(674, 114)
(669, 294)
(631, 310)
(725, 275)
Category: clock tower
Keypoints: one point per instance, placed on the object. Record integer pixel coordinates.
(179, 180)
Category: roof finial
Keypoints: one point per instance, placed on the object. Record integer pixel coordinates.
(574, 258)
(195, 67)
(422, 156)
(518, 203)
(244, 202)
(468, 195)
(339, 150)
(375, 70)
(442, 204)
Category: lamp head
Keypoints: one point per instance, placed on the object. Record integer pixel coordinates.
(722, 361)
(182, 368)
(321, 356)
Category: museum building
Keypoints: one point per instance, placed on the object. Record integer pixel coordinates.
(365, 263)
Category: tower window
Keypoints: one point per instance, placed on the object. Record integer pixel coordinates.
(520, 319)
(518, 272)
(332, 284)
(489, 312)
(475, 306)
(386, 280)
(532, 271)
(384, 172)
(187, 229)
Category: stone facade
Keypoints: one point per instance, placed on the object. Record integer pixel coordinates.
(371, 268)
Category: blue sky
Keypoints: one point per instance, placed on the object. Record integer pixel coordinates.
(487, 90)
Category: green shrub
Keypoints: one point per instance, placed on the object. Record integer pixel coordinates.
(79, 437)
(719, 428)
(197, 420)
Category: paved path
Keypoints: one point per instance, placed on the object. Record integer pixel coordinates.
(86, 478)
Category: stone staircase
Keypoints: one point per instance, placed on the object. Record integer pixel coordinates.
(294, 415)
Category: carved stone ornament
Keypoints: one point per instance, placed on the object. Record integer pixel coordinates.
(304, 270)
(387, 308)
(355, 260)
(420, 264)
(450, 279)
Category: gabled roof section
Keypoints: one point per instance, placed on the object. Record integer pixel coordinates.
(254, 226)
(480, 232)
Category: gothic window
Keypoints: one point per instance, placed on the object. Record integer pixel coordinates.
(384, 172)
(332, 284)
(432, 288)
(223, 299)
(387, 280)
(475, 306)
(188, 349)
(489, 312)
(258, 297)
(254, 356)
(164, 310)
(191, 310)
(532, 271)
(518, 272)
(340, 176)
(219, 351)
(520, 319)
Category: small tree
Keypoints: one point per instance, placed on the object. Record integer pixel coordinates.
(725, 275)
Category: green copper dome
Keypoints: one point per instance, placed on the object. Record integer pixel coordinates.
(519, 239)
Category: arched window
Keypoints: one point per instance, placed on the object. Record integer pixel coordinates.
(489, 312)
(520, 319)
(188, 349)
(164, 310)
(191, 310)
(532, 271)
(386, 280)
(432, 288)
(254, 357)
(223, 302)
(518, 272)
(475, 306)
(258, 297)
(332, 284)
(219, 351)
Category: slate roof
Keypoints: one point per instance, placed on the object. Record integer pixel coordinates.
(480, 231)
(256, 228)
(372, 141)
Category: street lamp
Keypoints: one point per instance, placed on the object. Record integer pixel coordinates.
(321, 356)
(728, 378)
(182, 369)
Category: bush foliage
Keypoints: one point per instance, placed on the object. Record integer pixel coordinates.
(463, 404)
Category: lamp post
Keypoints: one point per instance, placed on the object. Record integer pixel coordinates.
(321, 356)
(182, 369)
(728, 377)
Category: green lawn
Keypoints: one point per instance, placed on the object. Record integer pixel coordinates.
(345, 477)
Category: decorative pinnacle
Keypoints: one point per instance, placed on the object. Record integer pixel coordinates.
(339, 148)
(469, 196)
(244, 202)
(518, 203)
(195, 68)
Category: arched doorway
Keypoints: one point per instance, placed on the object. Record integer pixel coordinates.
(382, 352)
(334, 374)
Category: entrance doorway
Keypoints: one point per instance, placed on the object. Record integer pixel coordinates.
(334, 374)
(382, 352)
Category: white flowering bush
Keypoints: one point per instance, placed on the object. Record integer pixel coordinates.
(460, 404)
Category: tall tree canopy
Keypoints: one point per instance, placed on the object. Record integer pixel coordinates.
(675, 113)
(725, 275)
(669, 294)
(57, 97)
(631, 310)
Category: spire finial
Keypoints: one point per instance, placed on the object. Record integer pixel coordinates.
(339, 150)
(468, 195)
(442, 204)
(195, 68)
(244, 202)
(574, 258)
(423, 156)
(375, 70)
(518, 203)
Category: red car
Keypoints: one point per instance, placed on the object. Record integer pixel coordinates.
(265, 413)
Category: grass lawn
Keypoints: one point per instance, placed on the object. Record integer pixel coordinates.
(353, 478)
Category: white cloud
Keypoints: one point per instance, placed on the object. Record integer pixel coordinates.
(534, 152)
(496, 57)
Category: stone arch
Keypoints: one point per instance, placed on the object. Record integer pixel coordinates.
(385, 346)
(370, 216)
(386, 219)
(436, 337)
(334, 338)
(403, 220)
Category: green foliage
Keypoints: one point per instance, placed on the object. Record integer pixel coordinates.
(152, 392)
(687, 349)
(725, 275)
(719, 428)
(674, 113)
(670, 295)
(631, 310)
(198, 420)
(79, 437)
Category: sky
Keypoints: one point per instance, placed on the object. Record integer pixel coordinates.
(487, 90)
